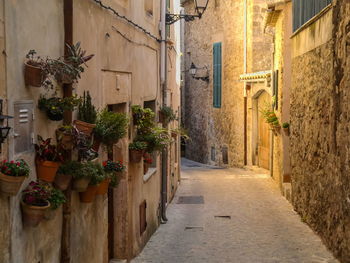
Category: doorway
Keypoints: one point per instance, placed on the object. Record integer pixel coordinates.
(263, 133)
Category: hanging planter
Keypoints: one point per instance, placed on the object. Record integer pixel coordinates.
(81, 184)
(64, 137)
(48, 159)
(55, 106)
(87, 115)
(285, 127)
(62, 181)
(12, 175)
(34, 203)
(103, 187)
(114, 171)
(166, 115)
(34, 72)
(89, 195)
(136, 150)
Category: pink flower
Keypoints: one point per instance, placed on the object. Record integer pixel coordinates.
(12, 161)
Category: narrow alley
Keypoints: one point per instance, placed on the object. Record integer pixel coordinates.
(231, 215)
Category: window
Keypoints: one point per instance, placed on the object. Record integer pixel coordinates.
(149, 7)
(303, 10)
(217, 78)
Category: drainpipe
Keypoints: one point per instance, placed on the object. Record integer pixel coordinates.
(163, 79)
(245, 84)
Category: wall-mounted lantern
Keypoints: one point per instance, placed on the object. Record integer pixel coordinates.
(194, 70)
(4, 127)
(199, 5)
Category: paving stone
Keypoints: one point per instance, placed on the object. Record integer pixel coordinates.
(263, 227)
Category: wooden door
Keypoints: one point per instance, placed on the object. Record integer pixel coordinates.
(263, 134)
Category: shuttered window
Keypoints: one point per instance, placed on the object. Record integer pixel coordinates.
(217, 76)
(304, 10)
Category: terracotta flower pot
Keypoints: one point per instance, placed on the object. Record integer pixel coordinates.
(33, 75)
(66, 140)
(46, 170)
(81, 184)
(145, 167)
(286, 131)
(135, 155)
(10, 185)
(84, 127)
(33, 215)
(89, 195)
(103, 187)
(62, 181)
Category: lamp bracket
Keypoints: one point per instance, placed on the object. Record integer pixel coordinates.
(172, 18)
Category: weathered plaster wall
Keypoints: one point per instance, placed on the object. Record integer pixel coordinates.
(26, 30)
(320, 128)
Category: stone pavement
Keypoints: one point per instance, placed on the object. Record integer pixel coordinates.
(244, 219)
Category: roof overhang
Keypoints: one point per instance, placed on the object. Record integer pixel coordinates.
(260, 76)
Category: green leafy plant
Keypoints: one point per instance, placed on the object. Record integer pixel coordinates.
(110, 127)
(72, 168)
(143, 118)
(95, 171)
(57, 198)
(285, 125)
(55, 106)
(182, 132)
(156, 139)
(68, 69)
(138, 145)
(86, 110)
(168, 114)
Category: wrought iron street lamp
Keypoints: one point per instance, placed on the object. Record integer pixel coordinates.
(193, 72)
(199, 5)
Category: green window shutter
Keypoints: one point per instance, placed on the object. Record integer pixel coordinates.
(217, 78)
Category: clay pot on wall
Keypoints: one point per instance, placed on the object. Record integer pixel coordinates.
(62, 181)
(286, 131)
(135, 155)
(89, 195)
(66, 140)
(10, 185)
(103, 187)
(81, 184)
(46, 170)
(33, 75)
(84, 127)
(33, 215)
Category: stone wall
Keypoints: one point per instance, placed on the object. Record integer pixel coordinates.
(320, 131)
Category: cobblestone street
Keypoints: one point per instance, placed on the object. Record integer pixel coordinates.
(243, 218)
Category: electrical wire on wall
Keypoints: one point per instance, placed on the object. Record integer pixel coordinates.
(99, 2)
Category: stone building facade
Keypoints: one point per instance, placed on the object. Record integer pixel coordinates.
(124, 71)
(223, 135)
(319, 142)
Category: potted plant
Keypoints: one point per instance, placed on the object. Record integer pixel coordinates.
(180, 132)
(136, 150)
(34, 70)
(76, 170)
(48, 159)
(285, 127)
(55, 107)
(65, 137)
(87, 115)
(56, 199)
(97, 175)
(147, 161)
(65, 173)
(142, 118)
(166, 115)
(156, 138)
(12, 175)
(114, 171)
(34, 203)
(110, 127)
